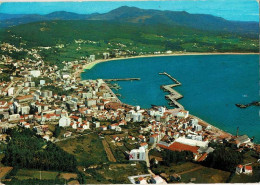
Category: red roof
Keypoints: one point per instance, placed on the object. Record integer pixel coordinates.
(143, 144)
(180, 147)
(248, 168)
(74, 117)
(203, 157)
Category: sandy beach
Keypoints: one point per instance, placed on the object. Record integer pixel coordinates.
(92, 64)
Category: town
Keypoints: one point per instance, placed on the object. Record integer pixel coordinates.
(57, 106)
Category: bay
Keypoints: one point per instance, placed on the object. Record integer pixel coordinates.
(211, 86)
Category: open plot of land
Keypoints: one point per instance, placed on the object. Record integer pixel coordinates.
(88, 149)
(110, 155)
(35, 174)
(206, 175)
(4, 171)
(114, 173)
(190, 170)
(242, 178)
(68, 176)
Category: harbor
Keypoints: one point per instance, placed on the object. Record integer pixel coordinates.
(174, 95)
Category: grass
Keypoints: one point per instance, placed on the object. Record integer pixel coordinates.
(88, 149)
(206, 175)
(114, 173)
(242, 178)
(190, 170)
(24, 174)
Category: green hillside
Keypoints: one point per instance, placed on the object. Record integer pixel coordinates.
(133, 39)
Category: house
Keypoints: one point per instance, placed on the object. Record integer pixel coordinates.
(154, 138)
(123, 122)
(141, 180)
(64, 122)
(239, 169)
(113, 126)
(144, 145)
(242, 140)
(24, 98)
(248, 170)
(137, 154)
(74, 125)
(97, 124)
(103, 128)
(182, 114)
(26, 125)
(46, 137)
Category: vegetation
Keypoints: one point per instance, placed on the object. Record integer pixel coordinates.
(224, 158)
(57, 90)
(96, 37)
(26, 150)
(85, 146)
(34, 182)
(176, 157)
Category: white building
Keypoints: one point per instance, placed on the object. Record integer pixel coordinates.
(35, 73)
(192, 142)
(64, 122)
(137, 154)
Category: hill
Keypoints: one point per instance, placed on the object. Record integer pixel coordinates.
(127, 14)
(77, 39)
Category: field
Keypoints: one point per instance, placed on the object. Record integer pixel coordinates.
(31, 174)
(110, 155)
(191, 170)
(88, 150)
(114, 173)
(4, 171)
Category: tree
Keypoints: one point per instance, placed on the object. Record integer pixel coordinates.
(57, 131)
(224, 158)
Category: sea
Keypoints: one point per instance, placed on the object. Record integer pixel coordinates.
(211, 86)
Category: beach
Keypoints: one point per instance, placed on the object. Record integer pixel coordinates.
(92, 64)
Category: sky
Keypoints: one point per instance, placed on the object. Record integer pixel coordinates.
(241, 10)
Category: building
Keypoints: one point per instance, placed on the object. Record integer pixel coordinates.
(35, 73)
(239, 169)
(137, 154)
(64, 122)
(248, 170)
(154, 138)
(24, 98)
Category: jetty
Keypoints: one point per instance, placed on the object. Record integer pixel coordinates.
(254, 103)
(174, 95)
(121, 79)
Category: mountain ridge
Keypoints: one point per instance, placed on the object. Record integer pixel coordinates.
(142, 16)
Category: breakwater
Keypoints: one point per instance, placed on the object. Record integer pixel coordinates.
(174, 95)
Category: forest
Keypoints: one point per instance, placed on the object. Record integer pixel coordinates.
(26, 150)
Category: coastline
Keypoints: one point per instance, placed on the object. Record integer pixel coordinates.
(92, 64)
(217, 131)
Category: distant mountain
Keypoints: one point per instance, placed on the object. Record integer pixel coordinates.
(141, 16)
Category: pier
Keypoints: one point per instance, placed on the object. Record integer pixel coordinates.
(121, 79)
(174, 95)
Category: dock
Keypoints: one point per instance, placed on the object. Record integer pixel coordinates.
(121, 79)
(174, 95)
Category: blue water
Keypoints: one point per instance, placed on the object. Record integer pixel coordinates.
(211, 86)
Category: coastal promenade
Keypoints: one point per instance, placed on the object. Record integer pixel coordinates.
(174, 95)
(121, 79)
